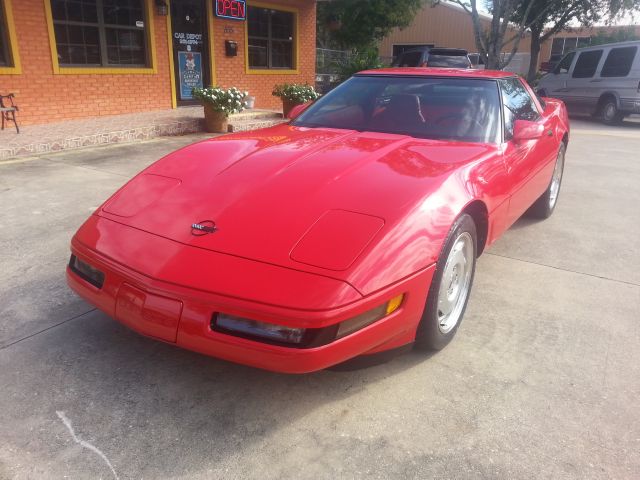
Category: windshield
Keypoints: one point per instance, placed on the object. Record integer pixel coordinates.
(461, 109)
(453, 61)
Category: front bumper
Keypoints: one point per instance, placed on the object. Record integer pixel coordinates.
(172, 310)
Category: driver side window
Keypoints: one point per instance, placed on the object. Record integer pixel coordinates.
(518, 104)
(565, 63)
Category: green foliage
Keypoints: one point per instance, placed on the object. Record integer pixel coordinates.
(620, 34)
(356, 62)
(295, 92)
(361, 23)
(226, 101)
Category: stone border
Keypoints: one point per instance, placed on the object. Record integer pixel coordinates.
(135, 134)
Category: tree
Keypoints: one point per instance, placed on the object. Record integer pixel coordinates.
(510, 19)
(563, 13)
(618, 35)
(503, 31)
(360, 24)
(558, 14)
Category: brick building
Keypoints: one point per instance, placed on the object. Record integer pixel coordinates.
(67, 59)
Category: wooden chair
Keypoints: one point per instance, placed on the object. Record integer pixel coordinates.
(8, 110)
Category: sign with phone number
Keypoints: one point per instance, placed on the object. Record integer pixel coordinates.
(232, 9)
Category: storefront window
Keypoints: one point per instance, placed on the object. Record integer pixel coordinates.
(270, 38)
(5, 57)
(563, 45)
(100, 33)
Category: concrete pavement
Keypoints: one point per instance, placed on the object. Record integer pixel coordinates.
(542, 380)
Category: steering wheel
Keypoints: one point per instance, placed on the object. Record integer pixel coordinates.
(459, 117)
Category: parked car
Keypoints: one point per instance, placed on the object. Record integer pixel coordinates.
(603, 81)
(476, 61)
(433, 57)
(353, 229)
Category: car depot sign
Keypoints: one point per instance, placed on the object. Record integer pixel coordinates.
(233, 9)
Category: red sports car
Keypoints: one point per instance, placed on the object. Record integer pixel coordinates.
(351, 230)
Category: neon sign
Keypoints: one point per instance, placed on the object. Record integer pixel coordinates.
(232, 9)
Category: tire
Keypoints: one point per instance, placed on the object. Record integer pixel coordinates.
(609, 112)
(458, 257)
(544, 206)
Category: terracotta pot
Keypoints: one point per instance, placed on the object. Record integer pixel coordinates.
(215, 122)
(287, 105)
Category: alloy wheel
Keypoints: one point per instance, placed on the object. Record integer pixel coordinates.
(455, 283)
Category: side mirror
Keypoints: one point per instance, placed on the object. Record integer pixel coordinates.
(297, 110)
(525, 130)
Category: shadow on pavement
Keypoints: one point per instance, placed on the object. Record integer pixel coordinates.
(133, 394)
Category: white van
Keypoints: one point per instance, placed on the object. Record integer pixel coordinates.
(603, 81)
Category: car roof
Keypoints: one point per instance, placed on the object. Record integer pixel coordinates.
(448, 51)
(627, 43)
(438, 72)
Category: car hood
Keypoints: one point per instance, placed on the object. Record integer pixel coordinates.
(303, 198)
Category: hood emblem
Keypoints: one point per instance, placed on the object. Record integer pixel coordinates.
(204, 227)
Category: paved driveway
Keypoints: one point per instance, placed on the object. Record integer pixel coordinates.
(542, 381)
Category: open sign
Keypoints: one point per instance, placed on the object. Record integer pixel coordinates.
(233, 9)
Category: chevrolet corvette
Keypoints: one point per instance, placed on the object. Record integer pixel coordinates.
(351, 230)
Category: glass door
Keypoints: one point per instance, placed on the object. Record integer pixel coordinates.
(190, 52)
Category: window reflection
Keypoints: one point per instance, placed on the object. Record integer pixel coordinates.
(460, 109)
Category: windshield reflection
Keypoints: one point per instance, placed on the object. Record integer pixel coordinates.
(462, 109)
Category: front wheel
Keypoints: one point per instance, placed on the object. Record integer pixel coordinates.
(546, 204)
(450, 286)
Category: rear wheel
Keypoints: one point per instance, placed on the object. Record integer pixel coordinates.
(450, 287)
(610, 113)
(546, 204)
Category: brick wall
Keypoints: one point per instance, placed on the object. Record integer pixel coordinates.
(44, 97)
(230, 71)
(47, 97)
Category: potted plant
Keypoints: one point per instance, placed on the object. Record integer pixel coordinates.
(293, 94)
(218, 104)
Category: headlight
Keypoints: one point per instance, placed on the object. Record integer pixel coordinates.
(253, 328)
(300, 337)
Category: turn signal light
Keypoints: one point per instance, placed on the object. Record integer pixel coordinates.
(365, 319)
(394, 303)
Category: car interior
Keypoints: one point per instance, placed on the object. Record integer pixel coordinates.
(444, 109)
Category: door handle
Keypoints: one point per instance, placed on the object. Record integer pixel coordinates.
(597, 80)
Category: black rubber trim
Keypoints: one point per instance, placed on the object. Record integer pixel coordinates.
(96, 282)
